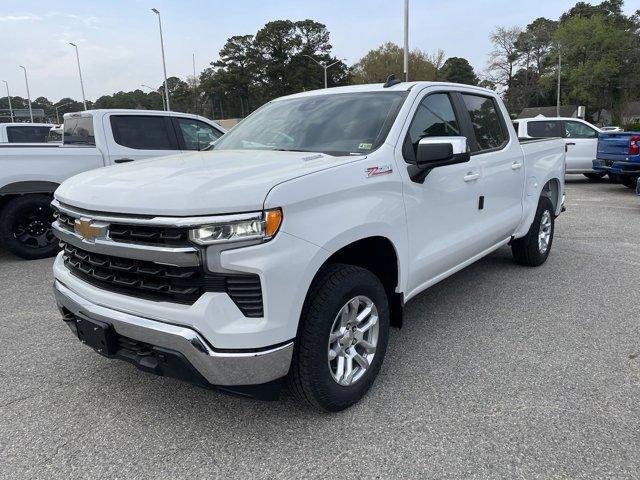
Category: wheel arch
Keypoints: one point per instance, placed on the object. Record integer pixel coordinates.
(377, 254)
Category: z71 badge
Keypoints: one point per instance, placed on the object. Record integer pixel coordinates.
(379, 170)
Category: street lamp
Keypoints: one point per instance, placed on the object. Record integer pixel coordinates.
(26, 81)
(164, 107)
(84, 100)
(164, 65)
(9, 98)
(325, 66)
(406, 40)
(60, 106)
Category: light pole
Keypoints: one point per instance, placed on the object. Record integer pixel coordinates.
(57, 107)
(154, 90)
(406, 40)
(9, 98)
(84, 100)
(164, 65)
(325, 67)
(558, 94)
(26, 81)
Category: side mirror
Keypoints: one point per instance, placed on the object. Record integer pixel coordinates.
(203, 140)
(436, 152)
(440, 151)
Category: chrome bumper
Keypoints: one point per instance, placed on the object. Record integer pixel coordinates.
(218, 368)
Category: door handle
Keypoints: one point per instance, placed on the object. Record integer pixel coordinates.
(570, 143)
(123, 160)
(470, 177)
(516, 165)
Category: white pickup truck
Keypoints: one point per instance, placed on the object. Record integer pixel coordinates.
(30, 173)
(290, 248)
(25, 132)
(580, 138)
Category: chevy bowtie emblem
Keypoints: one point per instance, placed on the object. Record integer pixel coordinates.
(90, 230)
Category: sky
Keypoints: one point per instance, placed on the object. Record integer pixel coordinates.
(119, 44)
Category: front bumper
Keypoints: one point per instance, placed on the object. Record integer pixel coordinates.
(217, 368)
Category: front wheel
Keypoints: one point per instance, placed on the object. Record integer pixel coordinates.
(533, 249)
(25, 227)
(342, 338)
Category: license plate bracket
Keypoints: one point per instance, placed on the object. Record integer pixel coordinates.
(98, 335)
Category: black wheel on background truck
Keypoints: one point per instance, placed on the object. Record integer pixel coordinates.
(629, 181)
(533, 249)
(25, 227)
(342, 338)
(595, 175)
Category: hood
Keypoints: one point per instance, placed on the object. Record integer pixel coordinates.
(196, 183)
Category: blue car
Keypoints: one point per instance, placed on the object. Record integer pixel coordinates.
(619, 156)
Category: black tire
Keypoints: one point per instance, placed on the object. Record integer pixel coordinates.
(629, 181)
(526, 250)
(310, 378)
(25, 227)
(614, 178)
(595, 176)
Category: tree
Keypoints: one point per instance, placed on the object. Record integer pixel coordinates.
(388, 59)
(503, 59)
(458, 70)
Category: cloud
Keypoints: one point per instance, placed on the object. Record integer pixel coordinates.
(19, 18)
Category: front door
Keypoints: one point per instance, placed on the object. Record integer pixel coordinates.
(442, 211)
(582, 146)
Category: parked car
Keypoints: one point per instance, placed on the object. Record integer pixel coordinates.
(24, 132)
(580, 137)
(92, 139)
(619, 156)
(291, 247)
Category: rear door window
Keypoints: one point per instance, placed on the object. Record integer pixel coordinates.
(27, 134)
(488, 125)
(544, 129)
(143, 132)
(78, 131)
(196, 135)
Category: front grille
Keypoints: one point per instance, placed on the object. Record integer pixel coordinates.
(148, 235)
(162, 282)
(138, 234)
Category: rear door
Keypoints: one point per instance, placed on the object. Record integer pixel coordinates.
(502, 169)
(137, 136)
(582, 144)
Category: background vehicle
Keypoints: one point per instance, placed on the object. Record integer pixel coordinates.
(55, 134)
(292, 246)
(580, 137)
(24, 132)
(619, 156)
(92, 139)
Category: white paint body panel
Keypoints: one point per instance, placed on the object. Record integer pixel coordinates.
(436, 228)
(54, 162)
(581, 152)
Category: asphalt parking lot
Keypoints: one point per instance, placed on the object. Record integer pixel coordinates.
(499, 371)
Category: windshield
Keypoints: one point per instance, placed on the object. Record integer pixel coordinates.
(337, 124)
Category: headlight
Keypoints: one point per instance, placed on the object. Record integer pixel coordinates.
(253, 226)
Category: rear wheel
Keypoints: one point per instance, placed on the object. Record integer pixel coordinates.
(595, 176)
(629, 181)
(533, 249)
(342, 339)
(25, 227)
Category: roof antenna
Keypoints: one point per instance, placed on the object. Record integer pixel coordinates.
(391, 81)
